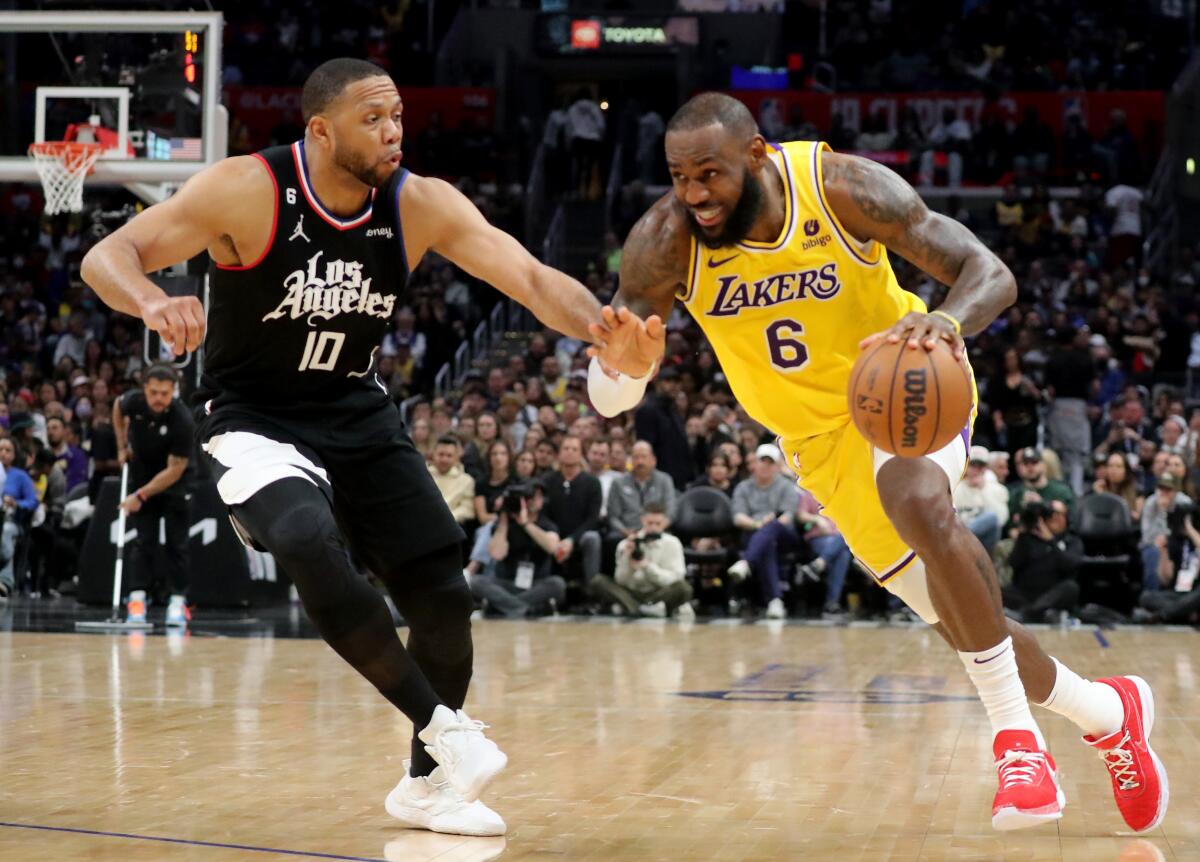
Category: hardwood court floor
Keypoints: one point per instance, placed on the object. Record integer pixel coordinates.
(627, 741)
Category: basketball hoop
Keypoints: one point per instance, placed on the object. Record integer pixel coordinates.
(62, 165)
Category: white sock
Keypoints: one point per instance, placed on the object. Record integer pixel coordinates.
(137, 595)
(1095, 707)
(994, 672)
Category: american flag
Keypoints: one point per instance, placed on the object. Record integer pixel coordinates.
(185, 149)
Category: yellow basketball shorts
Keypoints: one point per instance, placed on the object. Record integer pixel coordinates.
(839, 469)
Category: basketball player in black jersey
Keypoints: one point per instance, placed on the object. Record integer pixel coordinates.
(311, 246)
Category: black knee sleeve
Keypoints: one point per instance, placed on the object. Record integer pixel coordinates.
(432, 595)
(293, 520)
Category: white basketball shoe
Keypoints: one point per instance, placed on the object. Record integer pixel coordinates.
(469, 760)
(431, 803)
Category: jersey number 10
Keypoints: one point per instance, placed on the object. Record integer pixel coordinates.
(321, 351)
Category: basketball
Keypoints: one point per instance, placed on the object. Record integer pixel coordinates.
(909, 402)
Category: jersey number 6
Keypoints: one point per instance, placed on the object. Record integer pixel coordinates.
(321, 351)
(787, 352)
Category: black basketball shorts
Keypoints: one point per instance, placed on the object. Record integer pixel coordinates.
(359, 455)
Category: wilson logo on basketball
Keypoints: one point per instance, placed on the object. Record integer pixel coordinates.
(341, 290)
(915, 388)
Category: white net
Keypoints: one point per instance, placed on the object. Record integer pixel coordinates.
(62, 166)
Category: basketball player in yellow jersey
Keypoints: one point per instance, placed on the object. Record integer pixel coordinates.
(780, 252)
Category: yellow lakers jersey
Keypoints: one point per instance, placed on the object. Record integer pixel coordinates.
(785, 317)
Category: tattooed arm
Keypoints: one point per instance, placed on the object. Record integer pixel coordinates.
(873, 203)
(653, 267)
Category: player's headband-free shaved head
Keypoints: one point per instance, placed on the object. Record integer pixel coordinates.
(707, 109)
(328, 80)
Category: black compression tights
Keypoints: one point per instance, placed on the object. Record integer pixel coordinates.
(294, 521)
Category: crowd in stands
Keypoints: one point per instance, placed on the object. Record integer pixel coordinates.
(983, 44)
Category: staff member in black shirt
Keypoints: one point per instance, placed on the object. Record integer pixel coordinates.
(154, 434)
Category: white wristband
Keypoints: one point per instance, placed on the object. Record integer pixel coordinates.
(610, 396)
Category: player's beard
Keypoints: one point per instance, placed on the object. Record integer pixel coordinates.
(355, 164)
(741, 220)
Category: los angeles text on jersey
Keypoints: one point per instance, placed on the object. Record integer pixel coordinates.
(342, 290)
(735, 295)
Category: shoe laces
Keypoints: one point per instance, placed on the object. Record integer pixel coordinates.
(1119, 760)
(447, 734)
(1019, 767)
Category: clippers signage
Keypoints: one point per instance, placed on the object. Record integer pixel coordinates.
(609, 34)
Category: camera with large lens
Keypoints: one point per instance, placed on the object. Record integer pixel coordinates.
(513, 495)
(1176, 517)
(639, 545)
(1031, 513)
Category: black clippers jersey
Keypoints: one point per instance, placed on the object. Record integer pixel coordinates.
(302, 323)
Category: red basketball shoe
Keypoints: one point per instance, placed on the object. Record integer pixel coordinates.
(1139, 779)
(1029, 793)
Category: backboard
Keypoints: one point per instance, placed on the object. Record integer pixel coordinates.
(146, 85)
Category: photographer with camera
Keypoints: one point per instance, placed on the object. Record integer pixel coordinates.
(1044, 559)
(522, 550)
(650, 578)
(1157, 517)
(1180, 603)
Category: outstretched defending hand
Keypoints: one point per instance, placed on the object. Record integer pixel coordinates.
(179, 320)
(921, 330)
(626, 343)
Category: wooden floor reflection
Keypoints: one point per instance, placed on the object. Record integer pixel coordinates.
(637, 741)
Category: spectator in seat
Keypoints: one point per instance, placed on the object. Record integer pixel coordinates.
(1178, 467)
(598, 449)
(1182, 603)
(659, 423)
(1044, 560)
(1173, 435)
(717, 475)
(20, 501)
(1013, 398)
(1069, 375)
(1156, 532)
(651, 572)
(998, 464)
(522, 549)
(1034, 484)
(488, 493)
(833, 554)
(1127, 426)
(524, 466)
(545, 456)
(980, 501)
(633, 490)
(64, 443)
(1114, 477)
(573, 503)
(456, 485)
(764, 509)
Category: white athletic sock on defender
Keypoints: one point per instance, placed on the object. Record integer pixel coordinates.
(994, 672)
(1095, 708)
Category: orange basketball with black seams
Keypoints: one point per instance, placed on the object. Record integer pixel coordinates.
(909, 402)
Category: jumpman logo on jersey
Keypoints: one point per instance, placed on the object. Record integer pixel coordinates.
(299, 231)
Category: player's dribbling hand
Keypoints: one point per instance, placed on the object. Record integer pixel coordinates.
(626, 343)
(179, 320)
(921, 330)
